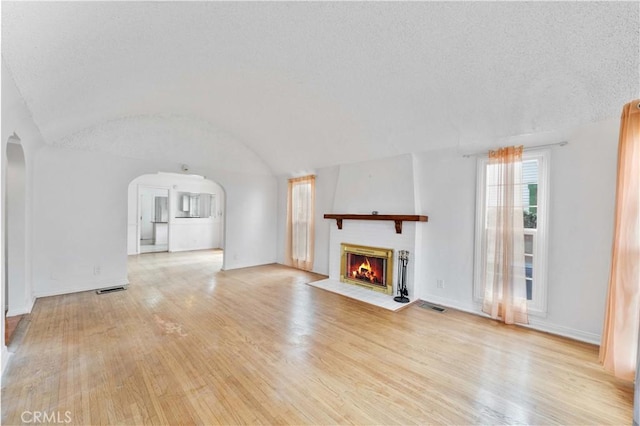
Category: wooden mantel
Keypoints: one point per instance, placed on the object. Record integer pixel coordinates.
(397, 218)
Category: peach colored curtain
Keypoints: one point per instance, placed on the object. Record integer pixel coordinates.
(300, 222)
(505, 293)
(620, 336)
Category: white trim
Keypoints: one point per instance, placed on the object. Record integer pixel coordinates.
(181, 250)
(6, 355)
(83, 286)
(571, 333)
(22, 310)
(540, 255)
(534, 324)
(479, 240)
(139, 211)
(138, 219)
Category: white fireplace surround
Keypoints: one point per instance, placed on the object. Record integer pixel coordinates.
(375, 234)
(389, 189)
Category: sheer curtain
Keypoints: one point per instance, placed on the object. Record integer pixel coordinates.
(619, 346)
(505, 292)
(300, 222)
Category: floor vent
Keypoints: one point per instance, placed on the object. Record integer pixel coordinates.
(110, 289)
(436, 308)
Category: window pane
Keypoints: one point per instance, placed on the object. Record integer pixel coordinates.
(530, 193)
(530, 171)
(528, 244)
(529, 289)
(530, 179)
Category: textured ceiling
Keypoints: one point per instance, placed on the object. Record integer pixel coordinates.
(305, 85)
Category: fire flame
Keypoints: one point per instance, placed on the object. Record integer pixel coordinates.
(365, 272)
(364, 267)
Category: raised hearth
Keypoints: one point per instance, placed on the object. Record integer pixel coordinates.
(360, 293)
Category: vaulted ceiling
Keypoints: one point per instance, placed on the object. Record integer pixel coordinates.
(310, 84)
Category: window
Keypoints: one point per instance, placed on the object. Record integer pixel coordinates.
(300, 222)
(535, 177)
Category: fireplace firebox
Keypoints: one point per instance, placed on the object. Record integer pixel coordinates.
(370, 267)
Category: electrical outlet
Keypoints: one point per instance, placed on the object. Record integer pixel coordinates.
(96, 270)
(440, 283)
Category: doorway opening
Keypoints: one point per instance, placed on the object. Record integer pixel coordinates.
(153, 228)
(15, 290)
(172, 212)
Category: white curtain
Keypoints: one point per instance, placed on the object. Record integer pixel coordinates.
(301, 202)
(300, 222)
(505, 291)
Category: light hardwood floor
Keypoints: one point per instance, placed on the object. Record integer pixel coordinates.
(189, 344)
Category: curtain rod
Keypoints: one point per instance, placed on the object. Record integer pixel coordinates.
(527, 148)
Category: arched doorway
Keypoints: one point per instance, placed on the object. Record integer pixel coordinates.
(15, 235)
(174, 212)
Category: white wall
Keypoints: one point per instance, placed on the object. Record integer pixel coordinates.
(583, 180)
(76, 204)
(582, 188)
(85, 193)
(384, 185)
(80, 221)
(184, 234)
(446, 182)
(326, 183)
(16, 118)
(18, 298)
(326, 180)
(147, 197)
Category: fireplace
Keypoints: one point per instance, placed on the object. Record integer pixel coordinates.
(370, 267)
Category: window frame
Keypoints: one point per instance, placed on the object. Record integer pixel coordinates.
(538, 305)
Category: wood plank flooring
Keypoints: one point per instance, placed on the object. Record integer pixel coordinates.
(189, 344)
(10, 326)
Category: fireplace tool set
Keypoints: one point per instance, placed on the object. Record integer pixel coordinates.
(403, 259)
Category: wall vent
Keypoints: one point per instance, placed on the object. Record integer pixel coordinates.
(111, 289)
(436, 308)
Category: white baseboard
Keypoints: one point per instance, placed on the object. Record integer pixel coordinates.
(22, 310)
(534, 323)
(5, 357)
(84, 286)
(182, 249)
(559, 330)
(241, 265)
